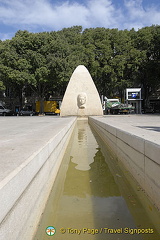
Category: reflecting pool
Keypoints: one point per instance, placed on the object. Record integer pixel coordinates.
(93, 199)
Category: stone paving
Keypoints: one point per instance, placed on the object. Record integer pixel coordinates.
(146, 126)
(22, 136)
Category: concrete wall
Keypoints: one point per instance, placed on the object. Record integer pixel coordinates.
(24, 193)
(140, 157)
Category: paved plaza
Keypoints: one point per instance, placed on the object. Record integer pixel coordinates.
(146, 126)
(21, 137)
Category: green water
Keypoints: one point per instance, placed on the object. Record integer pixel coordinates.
(93, 199)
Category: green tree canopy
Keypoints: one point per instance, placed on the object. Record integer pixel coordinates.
(115, 58)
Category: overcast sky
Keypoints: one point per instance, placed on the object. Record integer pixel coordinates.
(50, 15)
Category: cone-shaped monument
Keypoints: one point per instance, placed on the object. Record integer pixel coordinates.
(81, 97)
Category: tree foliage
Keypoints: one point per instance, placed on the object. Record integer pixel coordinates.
(116, 59)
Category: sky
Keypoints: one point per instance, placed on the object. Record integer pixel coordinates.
(54, 15)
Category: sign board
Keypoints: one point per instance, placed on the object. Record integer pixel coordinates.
(133, 94)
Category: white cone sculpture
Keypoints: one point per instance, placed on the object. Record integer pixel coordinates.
(81, 97)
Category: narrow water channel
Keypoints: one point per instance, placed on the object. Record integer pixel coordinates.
(92, 199)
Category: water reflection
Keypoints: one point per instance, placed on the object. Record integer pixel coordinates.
(81, 152)
(97, 182)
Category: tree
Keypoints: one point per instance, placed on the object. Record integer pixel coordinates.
(148, 41)
(98, 53)
(13, 69)
(116, 59)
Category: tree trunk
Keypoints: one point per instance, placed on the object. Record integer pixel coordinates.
(41, 105)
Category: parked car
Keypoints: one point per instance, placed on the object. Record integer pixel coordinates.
(26, 112)
(148, 110)
(4, 111)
